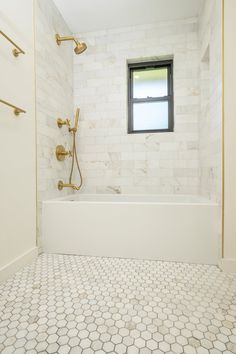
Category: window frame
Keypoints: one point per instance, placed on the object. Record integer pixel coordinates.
(132, 67)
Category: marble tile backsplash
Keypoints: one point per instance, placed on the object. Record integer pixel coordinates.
(54, 98)
(113, 161)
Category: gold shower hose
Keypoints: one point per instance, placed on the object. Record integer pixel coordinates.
(75, 159)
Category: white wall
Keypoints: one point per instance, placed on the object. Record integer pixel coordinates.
(210, 117)
(229, 260)
(113, 161)
(17, 139)
(54, 99)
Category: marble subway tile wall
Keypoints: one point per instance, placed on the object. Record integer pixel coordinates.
(113, 161)
(210, 117)
(54, 98)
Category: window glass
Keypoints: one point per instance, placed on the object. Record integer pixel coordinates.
(150, 116)
(150, 83)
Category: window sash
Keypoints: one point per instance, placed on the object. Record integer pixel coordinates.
(170, 120)
(131, 100)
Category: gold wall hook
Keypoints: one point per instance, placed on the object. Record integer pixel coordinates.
(61, 153)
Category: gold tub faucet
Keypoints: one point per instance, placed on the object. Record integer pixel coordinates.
(62, 185)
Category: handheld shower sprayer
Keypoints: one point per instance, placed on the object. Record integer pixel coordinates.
(76, 121)
(61, 122)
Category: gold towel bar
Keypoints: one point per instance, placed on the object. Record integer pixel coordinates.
(17, 50)
(17, 110)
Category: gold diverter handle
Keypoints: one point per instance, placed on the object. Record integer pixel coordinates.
(61, 153)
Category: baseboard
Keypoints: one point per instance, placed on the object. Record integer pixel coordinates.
(18, 263)
(228, 265)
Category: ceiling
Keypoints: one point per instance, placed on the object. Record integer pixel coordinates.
(91, 15)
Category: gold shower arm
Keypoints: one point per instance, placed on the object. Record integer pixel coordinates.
(17, 50)
(60, 39)
(17, 110)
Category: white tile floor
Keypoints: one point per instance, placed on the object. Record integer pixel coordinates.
(71, 304)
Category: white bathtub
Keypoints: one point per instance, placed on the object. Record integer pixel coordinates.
(173, 228)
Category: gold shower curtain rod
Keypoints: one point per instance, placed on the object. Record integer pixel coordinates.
(17, 110)
(17, 50)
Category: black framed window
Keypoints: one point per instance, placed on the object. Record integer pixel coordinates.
(150, 97)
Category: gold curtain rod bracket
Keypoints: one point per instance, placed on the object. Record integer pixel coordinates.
(17, 110)
(17, 50)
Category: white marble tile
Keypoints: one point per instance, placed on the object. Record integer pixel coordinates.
(73, 304)
(210, 116)
(54, 99)
(100, 89)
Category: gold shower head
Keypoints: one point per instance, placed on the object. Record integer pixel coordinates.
(80, 46)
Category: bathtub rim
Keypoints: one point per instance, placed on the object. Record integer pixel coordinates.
(67, 199)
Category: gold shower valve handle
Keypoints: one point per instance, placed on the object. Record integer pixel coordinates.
(61, 122)
(61, 153)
